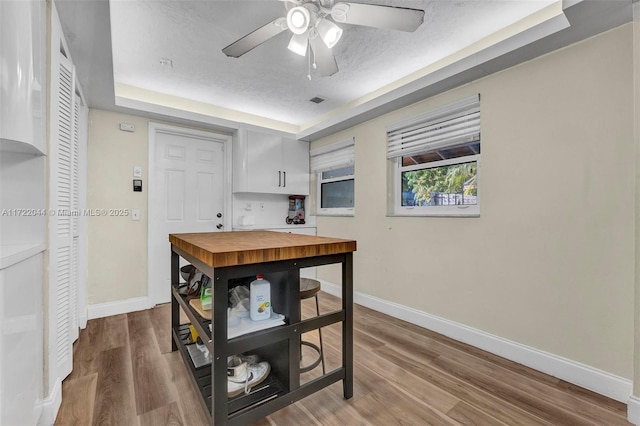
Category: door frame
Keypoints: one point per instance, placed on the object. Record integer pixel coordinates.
(153, 217)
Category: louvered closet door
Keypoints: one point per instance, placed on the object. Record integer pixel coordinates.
(63, 199)
(75, 219)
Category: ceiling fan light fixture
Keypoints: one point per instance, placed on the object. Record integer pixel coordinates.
(299, 44)
(298, 19)
(339, 12)
(329, 32)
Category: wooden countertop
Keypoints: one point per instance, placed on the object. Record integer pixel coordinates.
(219, 249)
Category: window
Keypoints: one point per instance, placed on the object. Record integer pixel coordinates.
(336, 188)
(334, 166)
(436, 161)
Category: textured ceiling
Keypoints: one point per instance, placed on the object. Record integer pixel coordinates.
(270, 81)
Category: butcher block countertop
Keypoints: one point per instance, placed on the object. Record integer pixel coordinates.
(219, 249)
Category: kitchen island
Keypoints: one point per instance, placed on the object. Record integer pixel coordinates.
(235, 258)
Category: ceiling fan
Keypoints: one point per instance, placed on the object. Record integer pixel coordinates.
(313, 24)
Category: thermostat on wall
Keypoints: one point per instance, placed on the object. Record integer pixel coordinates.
(137, 185)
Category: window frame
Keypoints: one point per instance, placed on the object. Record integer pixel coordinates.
(334, 211)
(469, 210)
(435, 130)
(329, 157)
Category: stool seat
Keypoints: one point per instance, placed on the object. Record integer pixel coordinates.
(308, 288)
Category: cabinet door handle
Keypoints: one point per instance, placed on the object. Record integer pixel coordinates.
(284, 179)
(279, 178)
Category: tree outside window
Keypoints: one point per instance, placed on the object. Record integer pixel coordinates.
(454, 184)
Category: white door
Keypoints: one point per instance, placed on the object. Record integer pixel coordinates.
(62, 261)
(66, 293)
(188, 187)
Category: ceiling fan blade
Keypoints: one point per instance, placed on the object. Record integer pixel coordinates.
(323, 57)
(255, 38)
(372, 15)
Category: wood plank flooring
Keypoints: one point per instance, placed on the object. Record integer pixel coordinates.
(125, 374)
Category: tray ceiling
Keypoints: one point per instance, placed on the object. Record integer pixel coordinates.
(270, 81)
(118, 45)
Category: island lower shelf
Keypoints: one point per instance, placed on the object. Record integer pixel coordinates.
(266, 391)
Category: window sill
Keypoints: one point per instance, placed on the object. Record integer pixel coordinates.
(444, 211)
(337, 213)
(432, 215)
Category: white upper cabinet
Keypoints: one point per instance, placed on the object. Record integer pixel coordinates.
(268, 163)
(22, 76)
(295, 165)
(22, 132)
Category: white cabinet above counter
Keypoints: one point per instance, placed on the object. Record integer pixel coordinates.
(270, 163)
(23, 89)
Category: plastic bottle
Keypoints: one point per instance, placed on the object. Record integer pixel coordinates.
(260, 299)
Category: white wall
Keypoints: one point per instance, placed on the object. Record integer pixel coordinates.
(117, 246)
(267, 210)
(117, 265)
(550, 261)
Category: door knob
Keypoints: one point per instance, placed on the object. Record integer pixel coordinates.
(219, 215)
(219, 226)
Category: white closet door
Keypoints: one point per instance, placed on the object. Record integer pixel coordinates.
(81, 234)
(62, 302)
(75, 208)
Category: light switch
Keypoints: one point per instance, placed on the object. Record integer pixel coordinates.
(137, 171)
(135, 214)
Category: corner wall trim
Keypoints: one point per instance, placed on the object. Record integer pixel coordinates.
(585, 376)
(101, 310)
(51, 405)
(633, 410)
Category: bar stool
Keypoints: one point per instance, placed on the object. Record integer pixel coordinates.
(309, 288)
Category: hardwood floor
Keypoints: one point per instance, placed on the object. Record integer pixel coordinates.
(125, 374)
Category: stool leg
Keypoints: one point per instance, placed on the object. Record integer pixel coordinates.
(320, 333)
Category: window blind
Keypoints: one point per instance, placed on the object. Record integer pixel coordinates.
(333, 156)
(450, 125)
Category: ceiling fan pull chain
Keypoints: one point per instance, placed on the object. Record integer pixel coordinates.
(314, 57)
(309, 62)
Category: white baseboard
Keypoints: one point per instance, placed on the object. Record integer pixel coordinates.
(633, 410)
(83, 317)
(585, 376)
(101, 310)
(51, 405)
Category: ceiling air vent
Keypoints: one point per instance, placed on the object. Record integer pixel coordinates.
(317, 99)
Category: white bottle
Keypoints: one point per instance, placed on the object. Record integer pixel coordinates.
(260, 299)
